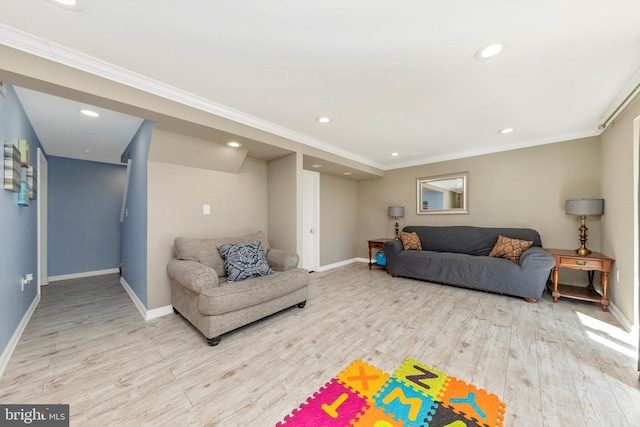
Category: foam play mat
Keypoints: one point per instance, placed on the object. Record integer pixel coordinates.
(416, 395)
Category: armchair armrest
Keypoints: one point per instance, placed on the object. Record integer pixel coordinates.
(192, 275)
(280, 260)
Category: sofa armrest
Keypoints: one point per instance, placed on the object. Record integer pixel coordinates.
(391, 250)
(280, 260)
(192, 275)
(536, 258)
(536, 264)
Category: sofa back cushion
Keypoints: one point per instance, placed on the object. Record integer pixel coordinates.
(205, 251)
(465, 239)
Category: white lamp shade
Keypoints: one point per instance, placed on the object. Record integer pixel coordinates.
(587, 207)
(396, 211)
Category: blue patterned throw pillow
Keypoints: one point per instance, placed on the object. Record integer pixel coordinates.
(244, 260)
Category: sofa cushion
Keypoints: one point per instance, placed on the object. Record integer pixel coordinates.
(244, 260)
(509, 248)
(205, 251)
(410, 241)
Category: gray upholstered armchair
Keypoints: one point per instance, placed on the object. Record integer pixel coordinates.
(203, 292)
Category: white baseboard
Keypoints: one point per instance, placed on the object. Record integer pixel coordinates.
(339, 264)
(146, 314)
(159, 312)
(13, 342)
(83, 274)
(626, 324)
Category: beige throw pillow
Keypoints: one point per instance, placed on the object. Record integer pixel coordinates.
(509, 248)
(410, 241)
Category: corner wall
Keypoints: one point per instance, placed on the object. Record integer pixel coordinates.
(619, 157)
(285, 203)
(134, 227)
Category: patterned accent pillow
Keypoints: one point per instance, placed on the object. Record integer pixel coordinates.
(509, 248)
(244, 260)
(410, 241)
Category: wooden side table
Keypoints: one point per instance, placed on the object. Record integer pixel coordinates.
(376, 244)
(590, 263)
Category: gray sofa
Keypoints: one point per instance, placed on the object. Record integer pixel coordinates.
(458, 255)
(202, 295)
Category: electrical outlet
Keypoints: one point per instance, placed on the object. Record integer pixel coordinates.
(206, 209)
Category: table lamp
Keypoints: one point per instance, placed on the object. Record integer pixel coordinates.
(396, 212)
(584, 208)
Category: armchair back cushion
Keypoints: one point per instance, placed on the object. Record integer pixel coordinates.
(205, 251)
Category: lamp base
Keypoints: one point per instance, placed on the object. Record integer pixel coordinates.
(583, 251)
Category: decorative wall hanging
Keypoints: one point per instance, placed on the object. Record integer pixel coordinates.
(12, 168)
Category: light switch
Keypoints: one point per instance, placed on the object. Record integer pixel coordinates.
(206, 209)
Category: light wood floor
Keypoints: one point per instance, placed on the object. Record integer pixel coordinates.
(564, 364)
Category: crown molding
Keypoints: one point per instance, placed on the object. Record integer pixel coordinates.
(490, 150)
(60, 54)
(626, 95)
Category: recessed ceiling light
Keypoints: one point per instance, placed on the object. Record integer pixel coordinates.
(73, 5)
(86, 150)
(394, 154)
(323, 119)
(89, 113)
(506, 130)
(347, 173)
(489, 51)
(234, 144)
(317, 165)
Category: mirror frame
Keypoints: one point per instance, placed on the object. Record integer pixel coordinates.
(465, 194)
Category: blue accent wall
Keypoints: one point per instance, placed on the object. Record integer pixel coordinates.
(134, 228)
(18, 227)
(85, 199)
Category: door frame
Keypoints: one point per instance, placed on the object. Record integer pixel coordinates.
(42, 188)
(311, 206)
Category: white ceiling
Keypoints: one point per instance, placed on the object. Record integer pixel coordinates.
(394, 76)
(65, 132)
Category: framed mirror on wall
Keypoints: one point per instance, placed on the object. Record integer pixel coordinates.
(443, 194)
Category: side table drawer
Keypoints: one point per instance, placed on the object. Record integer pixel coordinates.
(587, 264)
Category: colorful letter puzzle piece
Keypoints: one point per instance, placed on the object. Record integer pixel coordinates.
(334, 405)
(405, 403)
(475, 403)
(416, 395)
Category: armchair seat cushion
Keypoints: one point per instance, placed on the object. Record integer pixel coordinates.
(233, 296)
